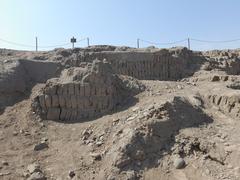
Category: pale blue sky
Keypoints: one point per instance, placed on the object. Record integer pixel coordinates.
(119, 22)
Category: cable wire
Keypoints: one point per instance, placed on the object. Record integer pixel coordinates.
(208, 41)
(55, 46)
(78, 41)
(61, 45)
(17, 44)
(170, 43)
(32, 46)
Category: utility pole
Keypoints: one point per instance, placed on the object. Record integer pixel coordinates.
(138, 42)
(189, 46)
(73, 40)
(36, 44)
(88, 44)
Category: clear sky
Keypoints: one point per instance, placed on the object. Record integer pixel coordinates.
(119, 22)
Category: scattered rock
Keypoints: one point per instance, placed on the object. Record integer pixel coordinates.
(101, 137)
(122, 162)
(116, 120)
(179, 87)
(215, 78)
(96, 156)
(131, 117)
(179, 163)
(5, 163)
(99, 143)
(140, 155)
(15, 133)
(135, 109)
(86, 133)
(45, 139)
(40, 146)
(119, 132)
(235, 85)
(6, 61)
(4, 174)
(71, 174)
(37, 176)
(131, 175)
(111, 177)
(33, 168)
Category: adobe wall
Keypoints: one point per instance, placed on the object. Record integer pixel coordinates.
(17, 76)
(80, 93)
(227, 103)
(161, 65)
(73, 101)
(40, 71)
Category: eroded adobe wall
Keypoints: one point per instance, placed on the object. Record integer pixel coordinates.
(224, 94)
(162, 64)
(227, 60)
(40, 71)
(86, 93)
(227, 103)
(73, 101)
(233, 67)
(17, 77)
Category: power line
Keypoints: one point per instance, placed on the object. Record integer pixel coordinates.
(65, 44)
(83, 39)
(25, 45)
(43, 46)
(169, 43)
(138, 42)
(17, 44)
(210, 41)
(55, 46)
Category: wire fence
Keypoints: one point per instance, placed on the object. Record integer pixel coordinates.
(36, 46)
(160, 44)
(141, 43)
(192, 42)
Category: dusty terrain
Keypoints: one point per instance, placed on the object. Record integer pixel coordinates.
(183, 129)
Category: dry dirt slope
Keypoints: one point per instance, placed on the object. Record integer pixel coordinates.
(169, 120)
(186, 129)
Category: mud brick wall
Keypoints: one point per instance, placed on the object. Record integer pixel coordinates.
(17, 76)
(161, 65)
(80, 93)
(233, 67)
(228, 103)
(74, 101)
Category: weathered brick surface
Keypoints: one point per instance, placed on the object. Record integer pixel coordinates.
(96, 93)
(161, 65)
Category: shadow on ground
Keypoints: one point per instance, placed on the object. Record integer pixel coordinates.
(11, 99)
(180, 115)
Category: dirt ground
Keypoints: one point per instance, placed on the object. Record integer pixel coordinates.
(182, 122)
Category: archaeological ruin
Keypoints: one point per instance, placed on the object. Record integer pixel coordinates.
(86, 83)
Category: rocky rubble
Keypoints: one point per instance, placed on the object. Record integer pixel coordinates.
(34, 172)
(150, 136)
(228, 60)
